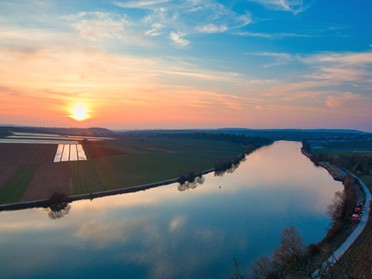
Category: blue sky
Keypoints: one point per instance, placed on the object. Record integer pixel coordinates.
(188, 64)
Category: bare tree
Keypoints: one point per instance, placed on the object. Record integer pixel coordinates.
(291, 249)
(336, 208)
(264, 268)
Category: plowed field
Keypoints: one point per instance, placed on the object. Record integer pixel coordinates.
(49, 179)
(26, 154)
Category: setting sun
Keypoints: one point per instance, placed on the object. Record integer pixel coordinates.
(79, 111)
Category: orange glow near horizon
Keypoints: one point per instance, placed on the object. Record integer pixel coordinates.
(79, 111)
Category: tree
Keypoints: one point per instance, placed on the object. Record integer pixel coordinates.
(290, 253)
(264, 268)
(336, 208)
(291, 249)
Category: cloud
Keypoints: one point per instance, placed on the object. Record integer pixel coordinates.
(178, 39)
(140, 4)
(293, 6)
(155, 30)
(177, 223)
(99, 25)
(100, 233)
(185, 17)
(273, 35)
(279, 57)
(343, 99)
(211, 28)
(340, 67)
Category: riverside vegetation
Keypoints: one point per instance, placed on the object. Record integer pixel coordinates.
(126, 161)
(292, 259)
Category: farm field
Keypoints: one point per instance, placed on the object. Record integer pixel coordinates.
(29, 171)
(131, 161)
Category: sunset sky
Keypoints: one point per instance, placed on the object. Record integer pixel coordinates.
(186, 64)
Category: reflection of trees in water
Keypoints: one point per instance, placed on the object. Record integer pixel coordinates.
(58, 206)
(187, 185)
(228, 167)
(58, 210)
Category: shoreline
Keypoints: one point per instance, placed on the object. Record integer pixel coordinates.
(344, 247)
(338, 174)
(91, 196)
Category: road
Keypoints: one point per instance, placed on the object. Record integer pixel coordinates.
(354, 235)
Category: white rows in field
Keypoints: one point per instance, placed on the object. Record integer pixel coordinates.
(69, 152)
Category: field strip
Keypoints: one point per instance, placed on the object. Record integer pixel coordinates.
(38, 141)
(73, 153)
(81, 153)
(69, 152)
(41, 137)
(58, 156)
(66, 153)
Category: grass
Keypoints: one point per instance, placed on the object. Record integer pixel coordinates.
(113, 164)
(88, 178)
(346, 146)
(141, 160)
(16, 186)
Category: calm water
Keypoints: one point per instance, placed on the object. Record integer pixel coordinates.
(168, 233)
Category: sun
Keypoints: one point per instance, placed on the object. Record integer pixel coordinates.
(79, 111)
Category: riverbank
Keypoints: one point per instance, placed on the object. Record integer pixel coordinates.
(334, 258)
(90, 196)
(358, 229)
(337, 173)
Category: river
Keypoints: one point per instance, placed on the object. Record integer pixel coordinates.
(167, 233)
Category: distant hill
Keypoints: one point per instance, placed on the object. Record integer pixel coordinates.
(94, 131)
(274, 134)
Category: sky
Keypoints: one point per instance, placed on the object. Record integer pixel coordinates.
(165, 64)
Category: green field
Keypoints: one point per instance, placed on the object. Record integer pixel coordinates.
(123, 162)
(14, 188)
(140, 160)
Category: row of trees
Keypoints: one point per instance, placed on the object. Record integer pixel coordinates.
(190, 181)
(341, 208)
(289, 254)
(292, 259)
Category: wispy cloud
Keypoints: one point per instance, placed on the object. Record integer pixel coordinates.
(178, 39)
(140, 4)
(273, 35)
(279, 57)
(293, 6)
(343, 99)
(99, 25)
(185, 17)
(341, 67)
(211, 28)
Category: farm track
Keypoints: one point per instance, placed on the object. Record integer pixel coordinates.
(26, 154)
(49, 179)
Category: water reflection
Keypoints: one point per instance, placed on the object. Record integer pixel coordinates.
(162, 233)
(199, 180)
(230, 166)
(58, 210)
